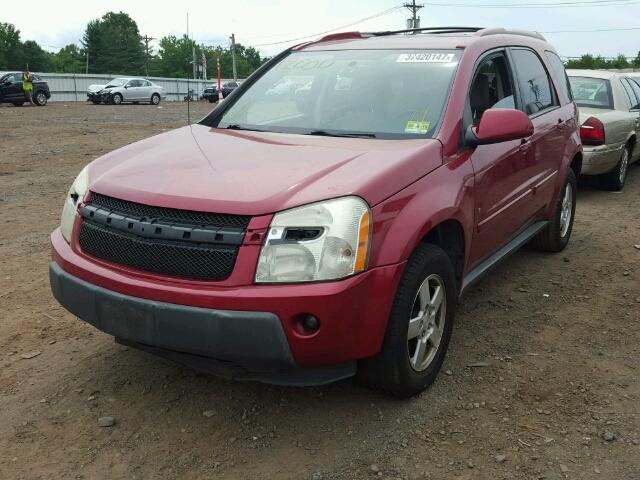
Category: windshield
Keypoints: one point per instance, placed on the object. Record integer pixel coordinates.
(375, 93)
(591, 92)
(117, 82)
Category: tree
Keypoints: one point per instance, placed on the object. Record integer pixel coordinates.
(9, 47)
(70, 59)
(114, 45)
(34, 56)
(174, 57)
(636, 61)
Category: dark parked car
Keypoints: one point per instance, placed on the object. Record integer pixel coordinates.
(11, 89)
(211, 93)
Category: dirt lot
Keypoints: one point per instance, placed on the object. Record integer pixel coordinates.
(557, 395)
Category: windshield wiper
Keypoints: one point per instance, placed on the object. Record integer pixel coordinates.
(324, 133)
(235, 126)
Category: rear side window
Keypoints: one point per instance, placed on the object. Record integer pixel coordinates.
(632, 98)
(635, 86)
(534, 82)
(562, 81)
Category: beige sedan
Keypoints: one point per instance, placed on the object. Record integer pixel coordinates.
(609, 105)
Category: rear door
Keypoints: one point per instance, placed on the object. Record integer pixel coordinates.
(146, 90)
(12, 88)
(634, 94)
(546, 148)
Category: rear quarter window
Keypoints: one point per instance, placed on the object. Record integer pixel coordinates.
(560, 77)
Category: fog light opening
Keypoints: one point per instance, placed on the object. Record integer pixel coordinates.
(309, 323)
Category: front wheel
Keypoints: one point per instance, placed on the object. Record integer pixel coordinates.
(155, 99)
(116, 99)
(419, 327)
(555, 236)
(40, 99)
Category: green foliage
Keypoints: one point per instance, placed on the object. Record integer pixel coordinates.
(591, 62)
(70, 59)
(114, 45)
(10, 45)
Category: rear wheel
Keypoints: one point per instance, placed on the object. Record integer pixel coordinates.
(419, 326)
(116, 99)
(614, 180)
(95, 102)
(40, 98)
(155, 99)
(18, 104)
(555, 236)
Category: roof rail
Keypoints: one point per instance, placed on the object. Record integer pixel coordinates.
(505, 31)
(429, 30)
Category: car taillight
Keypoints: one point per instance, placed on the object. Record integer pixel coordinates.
(592, 132)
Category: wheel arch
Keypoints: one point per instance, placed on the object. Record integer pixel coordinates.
(449, 235)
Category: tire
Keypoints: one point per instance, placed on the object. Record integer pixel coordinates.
(116, 99)
(393, 370)
(614, 180)
(40, 98)
(17, 104)
(155, 99)
(555, 236)
(95, 102)
(211, 100)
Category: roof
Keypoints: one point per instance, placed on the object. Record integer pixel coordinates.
(604, 74)
(432, 38)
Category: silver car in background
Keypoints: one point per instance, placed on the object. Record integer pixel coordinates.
(132, 90)
(609, 105)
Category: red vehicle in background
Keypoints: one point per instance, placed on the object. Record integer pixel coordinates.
(323, 220)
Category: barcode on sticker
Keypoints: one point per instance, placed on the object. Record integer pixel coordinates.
(426, 57)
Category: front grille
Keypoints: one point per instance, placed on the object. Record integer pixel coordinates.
(166, 241)
(139, 210)
(166, 258)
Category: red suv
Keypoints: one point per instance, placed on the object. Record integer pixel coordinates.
(324, 219)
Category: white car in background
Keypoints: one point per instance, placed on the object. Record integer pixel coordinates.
(131, 90)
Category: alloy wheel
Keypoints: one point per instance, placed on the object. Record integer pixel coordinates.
(426, 323)
(566, 210)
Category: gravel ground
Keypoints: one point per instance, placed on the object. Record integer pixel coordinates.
(541, 379)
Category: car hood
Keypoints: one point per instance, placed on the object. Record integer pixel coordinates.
(254, 173)
(95, 88)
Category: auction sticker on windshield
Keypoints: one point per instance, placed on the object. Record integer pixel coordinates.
(426, 58)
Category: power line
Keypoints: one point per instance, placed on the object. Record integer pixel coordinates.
(376, 15)
(566, 4)
(592, 31)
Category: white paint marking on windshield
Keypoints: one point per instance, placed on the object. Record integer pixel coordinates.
(426, 58)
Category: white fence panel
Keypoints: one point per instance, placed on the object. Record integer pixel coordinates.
(70, 87)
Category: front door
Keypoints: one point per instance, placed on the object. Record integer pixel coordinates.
(501, 169)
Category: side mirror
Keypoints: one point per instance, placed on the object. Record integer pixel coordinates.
(499, 125)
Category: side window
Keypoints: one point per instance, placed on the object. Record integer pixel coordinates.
(535, 86)
(562, 81)
(635, 86)
(146, 83)
(632, 101)
(491, 87)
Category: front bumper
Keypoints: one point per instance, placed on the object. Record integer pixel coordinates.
(252, 327)
(600, 159)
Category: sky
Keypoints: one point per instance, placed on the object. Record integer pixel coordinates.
(263, 22)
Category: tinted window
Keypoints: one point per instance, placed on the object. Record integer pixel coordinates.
(386, 93)
(535, 85)
(562, 81)
(491, 87)
(635, 85)
(631, 94)
(591, 92)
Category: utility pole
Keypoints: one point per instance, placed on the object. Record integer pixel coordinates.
(87, 65)
(414, 21)
(233, 56)
(146, 40)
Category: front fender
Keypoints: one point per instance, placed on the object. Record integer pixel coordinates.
(402, 221)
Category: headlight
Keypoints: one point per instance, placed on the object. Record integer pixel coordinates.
(322, 241)
(70, 210)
